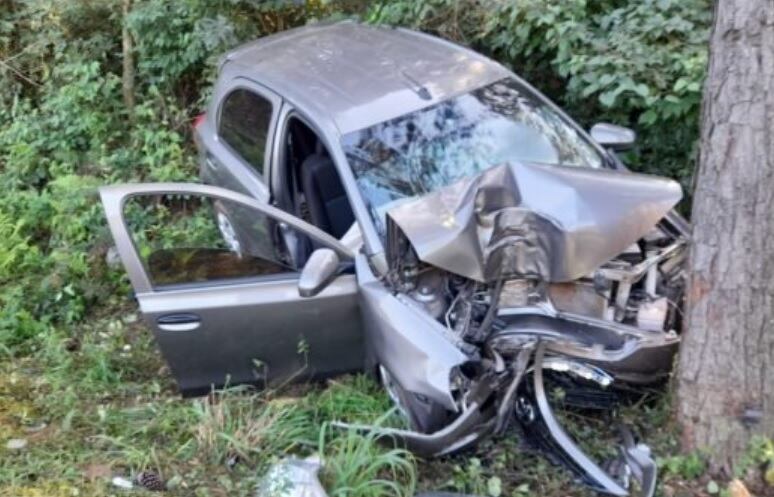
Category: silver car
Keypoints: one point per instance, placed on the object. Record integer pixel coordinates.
(379, 199)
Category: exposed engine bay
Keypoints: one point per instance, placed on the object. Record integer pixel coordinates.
(639, 288)
(586, 290)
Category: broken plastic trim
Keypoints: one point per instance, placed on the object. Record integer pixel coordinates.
(292, 478)
(477, 422)
(636, 457)
(471, 426)
(604, 482)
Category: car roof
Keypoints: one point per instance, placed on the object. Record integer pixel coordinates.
(358, 75)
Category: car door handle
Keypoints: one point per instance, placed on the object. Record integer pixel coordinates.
(210, 163)
(179, 322)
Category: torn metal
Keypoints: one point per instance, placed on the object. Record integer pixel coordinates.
(521, 220)
(523, 269)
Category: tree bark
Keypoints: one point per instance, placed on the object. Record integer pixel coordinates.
(127, 49)
(725, 388)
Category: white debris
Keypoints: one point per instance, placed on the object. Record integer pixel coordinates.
(112, 259)
(292, 478)
(121, 482)
(16, 444)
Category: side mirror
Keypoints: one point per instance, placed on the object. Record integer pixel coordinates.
(318, 271)
(613, 136)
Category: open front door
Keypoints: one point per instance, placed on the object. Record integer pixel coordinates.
(216, 276)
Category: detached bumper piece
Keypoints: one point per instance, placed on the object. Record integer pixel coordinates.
(482, 418)
(474, 424)
(542, 428)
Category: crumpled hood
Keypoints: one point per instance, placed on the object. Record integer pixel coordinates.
(554, 223)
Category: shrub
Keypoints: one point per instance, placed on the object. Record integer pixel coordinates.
(638, 64)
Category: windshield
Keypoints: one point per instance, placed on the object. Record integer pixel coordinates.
(461, 137)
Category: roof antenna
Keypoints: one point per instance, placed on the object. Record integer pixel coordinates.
(420, 90)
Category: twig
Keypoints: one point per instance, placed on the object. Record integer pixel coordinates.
(20, 74)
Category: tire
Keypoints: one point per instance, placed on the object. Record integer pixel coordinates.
(423, 415)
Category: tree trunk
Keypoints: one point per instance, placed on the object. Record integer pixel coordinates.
(726, 373)
(127, 49)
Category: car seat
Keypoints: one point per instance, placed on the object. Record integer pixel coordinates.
(326, 199)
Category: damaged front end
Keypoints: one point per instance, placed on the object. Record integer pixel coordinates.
(521, 272)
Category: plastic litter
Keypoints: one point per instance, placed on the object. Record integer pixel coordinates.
(292, 478)
(121, 482)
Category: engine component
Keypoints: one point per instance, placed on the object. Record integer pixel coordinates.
(652, 314)
(429, 293)
(578, 298)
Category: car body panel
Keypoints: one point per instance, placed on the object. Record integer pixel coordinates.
(404, 339)
(247, 330)
(335, 70)
(589, 217)
(259, 332)
(219, 164)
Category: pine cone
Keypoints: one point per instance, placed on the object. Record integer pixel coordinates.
(150, 481)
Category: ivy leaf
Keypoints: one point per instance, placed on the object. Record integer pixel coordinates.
(607, 98)
(642, 90)
(648, 117)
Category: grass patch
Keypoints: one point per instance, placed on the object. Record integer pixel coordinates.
(97, 401)
(357, 465)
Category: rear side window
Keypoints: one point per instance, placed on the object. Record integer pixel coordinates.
(244, 125)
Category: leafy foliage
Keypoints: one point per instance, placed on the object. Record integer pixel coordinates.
(638, 64)
(64, 131)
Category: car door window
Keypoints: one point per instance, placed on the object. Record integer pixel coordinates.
(245, 118)
(189, 238)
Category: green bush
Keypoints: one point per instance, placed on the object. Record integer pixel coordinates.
(64, 128)
(639, 64)
(64, 131)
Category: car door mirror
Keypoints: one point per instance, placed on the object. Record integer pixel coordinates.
(613, 136)
(318, 271)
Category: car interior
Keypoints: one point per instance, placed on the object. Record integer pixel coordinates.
(311, 188)
(314, 190)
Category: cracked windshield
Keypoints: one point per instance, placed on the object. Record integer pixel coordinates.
(461, 137)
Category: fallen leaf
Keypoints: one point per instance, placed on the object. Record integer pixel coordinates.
(94, 472)
(769, 476)
(737, 489)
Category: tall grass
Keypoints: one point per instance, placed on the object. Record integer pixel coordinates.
(357, 465)
(248, 425)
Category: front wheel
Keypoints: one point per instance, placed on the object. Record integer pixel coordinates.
(423, 414)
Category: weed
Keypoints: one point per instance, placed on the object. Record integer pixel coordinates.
(689, 466)
(357, 465)
(239, 423)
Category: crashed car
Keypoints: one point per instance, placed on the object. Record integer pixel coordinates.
(379, 199)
